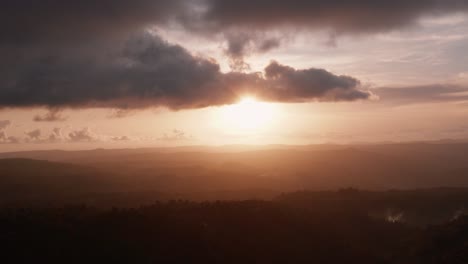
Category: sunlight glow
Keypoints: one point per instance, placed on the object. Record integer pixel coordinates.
(247, 116)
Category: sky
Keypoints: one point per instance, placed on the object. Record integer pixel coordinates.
(149, 73)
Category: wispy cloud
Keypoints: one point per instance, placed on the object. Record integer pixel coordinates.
(53, 115)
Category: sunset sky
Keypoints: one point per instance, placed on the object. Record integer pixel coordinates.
(148, 73)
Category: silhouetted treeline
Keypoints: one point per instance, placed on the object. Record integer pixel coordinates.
(419, 207)
(286, 230)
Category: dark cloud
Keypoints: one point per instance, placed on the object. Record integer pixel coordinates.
(422, 94)
(68, 21)
(341, 16)
(290, 85)
(268, 44)
(237, 44)
(63, 53)
(242, 44)
(25, 21)
(87, 23)
(148, 72)
(54, 115)
(237, 47)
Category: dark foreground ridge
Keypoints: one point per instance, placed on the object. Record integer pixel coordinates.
(327, 227)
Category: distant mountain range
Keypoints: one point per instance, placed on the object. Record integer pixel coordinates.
(230, 172)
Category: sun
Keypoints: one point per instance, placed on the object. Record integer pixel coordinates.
(248, 115)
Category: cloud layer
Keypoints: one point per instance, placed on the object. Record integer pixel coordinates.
(423, 94)
(57, 135)
(4, 138)
(83, 135)
(60, 20)
(54, 115)
(67, 21)
(92, 54)
(341, 16)
(147, 71)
